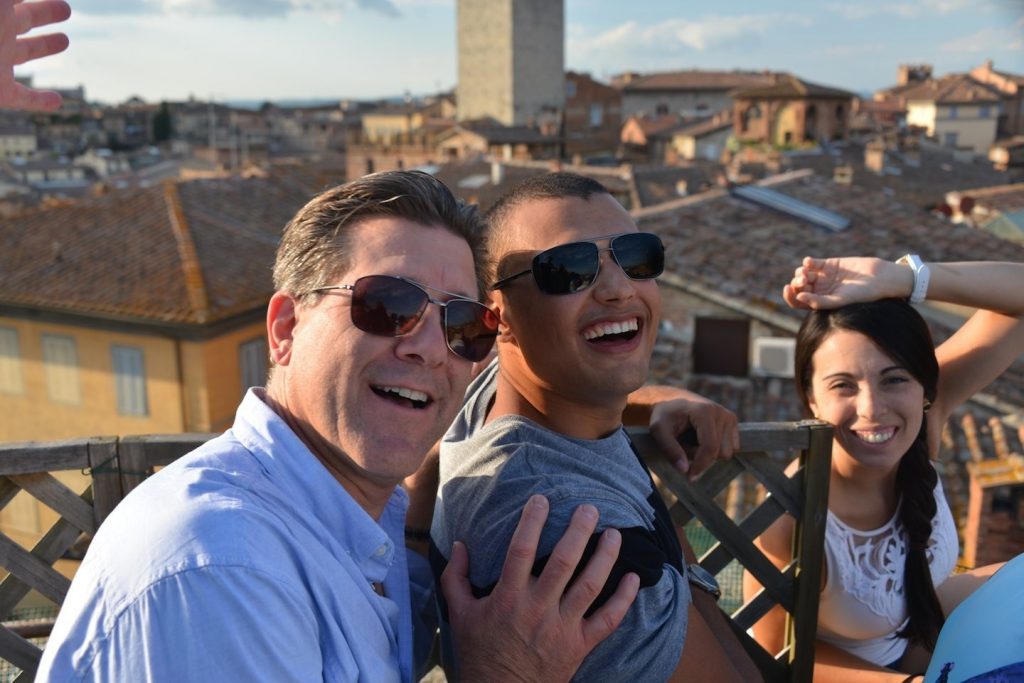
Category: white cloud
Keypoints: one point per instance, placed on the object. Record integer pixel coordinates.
(678, 35)
(983, 40)
(920, 8)
(852, 50)
(241, 8)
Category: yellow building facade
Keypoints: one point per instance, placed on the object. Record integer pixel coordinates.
(62, 380)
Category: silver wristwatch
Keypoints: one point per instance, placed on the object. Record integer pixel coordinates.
(703, 579)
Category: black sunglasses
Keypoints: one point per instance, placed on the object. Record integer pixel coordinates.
(572, 267)
(389, 306)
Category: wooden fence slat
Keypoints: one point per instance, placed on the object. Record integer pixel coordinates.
(8, 490)
(106, 479)
(29, 457)
(30, 569)
(20, 652)
(163, 449)
(722, 528)
(759, 605)
(59, 498)
(816, 461)
(134, 468)
(753, 526)
(717, 478)
(776, 481)
(51, 546)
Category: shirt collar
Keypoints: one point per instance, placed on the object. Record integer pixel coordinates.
(302, 478)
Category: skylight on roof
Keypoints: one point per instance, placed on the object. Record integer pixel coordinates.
(792, 207)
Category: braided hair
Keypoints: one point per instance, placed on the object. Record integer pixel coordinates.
(902, 334)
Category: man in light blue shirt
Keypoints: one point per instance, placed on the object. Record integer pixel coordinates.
(275, 551)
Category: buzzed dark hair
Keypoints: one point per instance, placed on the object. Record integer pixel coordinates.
(561, 185)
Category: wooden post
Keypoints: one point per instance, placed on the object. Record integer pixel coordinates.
(816, 462)
(106, 477)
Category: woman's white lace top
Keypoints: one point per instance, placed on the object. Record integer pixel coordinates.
(863, 605)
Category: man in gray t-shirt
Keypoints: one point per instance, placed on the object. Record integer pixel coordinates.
(573, 285)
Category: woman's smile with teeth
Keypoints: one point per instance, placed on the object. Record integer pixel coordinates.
(876, 435)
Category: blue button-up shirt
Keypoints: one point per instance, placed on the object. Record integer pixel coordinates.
(243, 561)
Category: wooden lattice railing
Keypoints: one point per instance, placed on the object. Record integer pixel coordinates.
(116, 466)
(804, 496)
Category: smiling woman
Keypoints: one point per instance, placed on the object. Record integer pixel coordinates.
(865, 363)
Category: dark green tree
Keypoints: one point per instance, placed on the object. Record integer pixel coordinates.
(162, 127)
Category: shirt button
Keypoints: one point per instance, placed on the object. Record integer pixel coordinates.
(381, 551)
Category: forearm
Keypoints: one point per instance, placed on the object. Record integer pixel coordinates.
(835, 665)
(990, 286)
(642, 401)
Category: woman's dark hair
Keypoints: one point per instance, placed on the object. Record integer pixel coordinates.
(902, 334)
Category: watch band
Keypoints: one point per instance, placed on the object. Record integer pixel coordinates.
(922, 274)
(703, 579)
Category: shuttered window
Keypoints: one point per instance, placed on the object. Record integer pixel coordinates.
(11, 380)
(252, 358)
(130, 380)
(60, 365)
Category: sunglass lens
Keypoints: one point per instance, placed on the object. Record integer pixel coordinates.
(470, 328)
(641, 255)
(566, 268)
(386, 306)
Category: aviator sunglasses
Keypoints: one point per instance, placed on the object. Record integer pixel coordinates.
(389, 306)
(572, 267)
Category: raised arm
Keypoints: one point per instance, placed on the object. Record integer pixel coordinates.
(969, 360)
(16, 19)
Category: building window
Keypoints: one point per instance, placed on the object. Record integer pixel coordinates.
(950, 139)
(749, 116)
(953, 113)
(983, 112)
(570, 89)
(130, 380)
(661, 110)
(596, 115)
(721, 346)
(60, 363)
(11, 381)
(252, 359)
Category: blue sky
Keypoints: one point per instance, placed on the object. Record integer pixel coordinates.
(301, 49)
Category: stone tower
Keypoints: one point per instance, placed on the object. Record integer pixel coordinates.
(511, 60)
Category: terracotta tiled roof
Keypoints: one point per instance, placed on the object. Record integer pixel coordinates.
(720, 120)
(922, 182)
(696, 80)
(745, 252)
(496, 133)
(659, 184)
(471, 180)
(180, 253)
(788, 86)
(661, 126)
(952, 89)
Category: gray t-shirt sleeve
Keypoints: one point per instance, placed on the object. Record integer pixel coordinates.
(648, 643)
